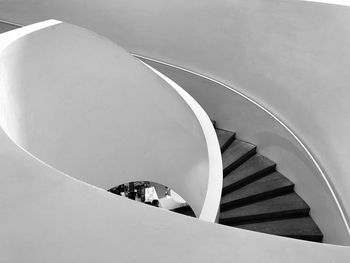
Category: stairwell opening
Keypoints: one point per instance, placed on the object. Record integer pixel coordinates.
(154, 194)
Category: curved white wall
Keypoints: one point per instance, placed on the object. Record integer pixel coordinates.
(290, 56)
(83, 105)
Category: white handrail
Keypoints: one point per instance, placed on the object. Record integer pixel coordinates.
(211, 206)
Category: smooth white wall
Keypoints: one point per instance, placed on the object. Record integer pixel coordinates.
(83, 105)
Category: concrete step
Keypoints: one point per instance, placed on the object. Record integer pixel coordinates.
(266, 187)
(301, 228)
(236, 154)
(284, 206)
(225, 138)
(252, 169)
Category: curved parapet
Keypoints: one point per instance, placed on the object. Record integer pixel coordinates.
(210, 207)
(83, 105)
(49, 217)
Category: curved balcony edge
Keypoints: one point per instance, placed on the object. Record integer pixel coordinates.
(211, 206)
(171, 149)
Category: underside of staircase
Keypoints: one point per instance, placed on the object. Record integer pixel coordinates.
(255, 196)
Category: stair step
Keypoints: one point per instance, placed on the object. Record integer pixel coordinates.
(184, 210)
(301, 228)
(236, 154)
(214, 123)
(225, 138)
(252, 169)
(288, 205)
(266, 187)
(256, 197)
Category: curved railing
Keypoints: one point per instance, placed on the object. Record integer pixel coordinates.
(211, 204)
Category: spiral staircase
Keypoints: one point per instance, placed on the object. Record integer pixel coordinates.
(255, 195)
